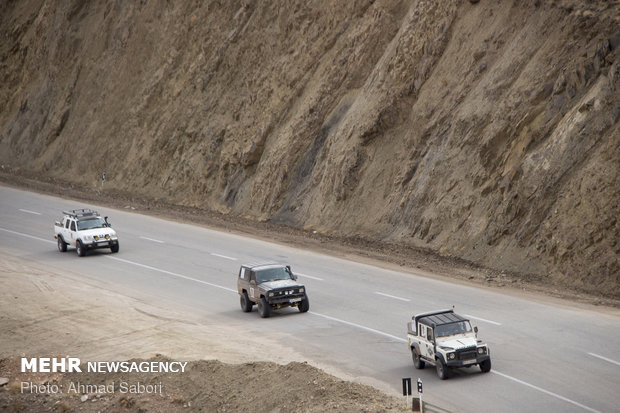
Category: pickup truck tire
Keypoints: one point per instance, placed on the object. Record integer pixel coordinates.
(442, 369)
(80, 249)
(246, 304)
(114, 248)
(263, 308)
(418, 363)
(62, 245)
(485, 366)
(304, 306)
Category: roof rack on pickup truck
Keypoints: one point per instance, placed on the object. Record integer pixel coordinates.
(79, 213)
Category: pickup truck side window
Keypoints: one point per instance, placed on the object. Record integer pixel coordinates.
(67, 224)
(72, 225)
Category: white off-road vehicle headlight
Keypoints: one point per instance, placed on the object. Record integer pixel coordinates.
(482, 350)
(451, 356)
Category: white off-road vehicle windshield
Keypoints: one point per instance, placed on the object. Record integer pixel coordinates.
(452, 329)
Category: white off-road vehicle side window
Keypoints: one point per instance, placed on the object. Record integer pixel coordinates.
(429, 334)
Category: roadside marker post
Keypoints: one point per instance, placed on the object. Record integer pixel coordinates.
(420, 395)
(407, 389)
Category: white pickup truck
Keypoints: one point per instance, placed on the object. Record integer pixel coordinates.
(446, 340)
(84, 229)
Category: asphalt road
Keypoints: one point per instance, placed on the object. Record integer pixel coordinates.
(547, 357)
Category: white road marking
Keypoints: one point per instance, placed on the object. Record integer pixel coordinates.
(392, 296)
(557, 396)
(605, 358)
(224, 256)
(30, 212)
(27, 236)
(482, 319)
(309, 276)
(372, 330)
(152, 239)
(174, 274)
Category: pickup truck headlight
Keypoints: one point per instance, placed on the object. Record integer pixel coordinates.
(88, 238)
(482, 350)
(451, 356)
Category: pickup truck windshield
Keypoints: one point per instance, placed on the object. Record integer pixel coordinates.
(272, 274)
(452, 329)
(91, 223)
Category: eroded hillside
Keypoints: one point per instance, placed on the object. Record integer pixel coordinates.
(484, 131)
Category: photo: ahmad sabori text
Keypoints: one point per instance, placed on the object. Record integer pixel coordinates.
(83, 388)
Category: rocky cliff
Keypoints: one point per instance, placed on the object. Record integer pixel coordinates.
(484, 131)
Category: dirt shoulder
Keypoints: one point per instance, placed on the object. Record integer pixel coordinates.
(47, 313)
(387, 255)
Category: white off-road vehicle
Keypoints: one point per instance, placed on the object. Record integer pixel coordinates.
(84, 229)
(446, 340)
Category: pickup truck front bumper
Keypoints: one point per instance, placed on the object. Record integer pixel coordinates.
(100, 244)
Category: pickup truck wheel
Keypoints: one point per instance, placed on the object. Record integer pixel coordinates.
(485, 366)
(418, 363)
(62, 246)
(263, 308)
(442, 370)
(246, 304)
(79, 248)
(114, 248)
(304, 306)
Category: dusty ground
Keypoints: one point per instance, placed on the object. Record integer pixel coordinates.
(46, 313)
